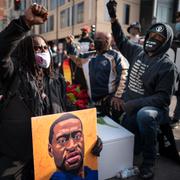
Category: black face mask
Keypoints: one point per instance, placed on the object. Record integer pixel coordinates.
(84, 34)
(98, 45)
(151, 45)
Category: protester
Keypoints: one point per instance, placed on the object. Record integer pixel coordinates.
(106, 73)
(134, 31)
(152, 76)
(176, 44)
(72, 48)
(154, 20)
(177, 26)
(30, 88)
(66, 146)
(176, 113)
(86, 44)
(57, 57)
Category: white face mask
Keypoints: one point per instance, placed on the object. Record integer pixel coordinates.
(43, 59)
(54, 49)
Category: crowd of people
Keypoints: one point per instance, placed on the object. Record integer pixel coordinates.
(125, 76)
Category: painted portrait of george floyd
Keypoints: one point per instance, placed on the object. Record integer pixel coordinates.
(62, 145)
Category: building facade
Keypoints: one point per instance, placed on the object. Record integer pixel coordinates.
(69, 16)
(2, 14)
(152, 11)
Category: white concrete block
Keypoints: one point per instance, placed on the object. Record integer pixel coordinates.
(118, 146)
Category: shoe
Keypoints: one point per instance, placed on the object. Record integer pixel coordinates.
(146, 172)
(138, 159)
(174, 123)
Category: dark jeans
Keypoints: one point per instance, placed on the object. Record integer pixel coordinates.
(144, 125)
(177, 109)
(15, 170)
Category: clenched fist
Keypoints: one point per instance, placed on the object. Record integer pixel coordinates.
(112, 6)
(35, 14)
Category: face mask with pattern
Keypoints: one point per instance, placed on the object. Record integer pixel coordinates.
(151, 44)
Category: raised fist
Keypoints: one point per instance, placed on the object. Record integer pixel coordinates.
(112, 6)
(35, 14)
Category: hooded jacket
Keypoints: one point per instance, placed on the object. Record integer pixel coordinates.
(151, 80)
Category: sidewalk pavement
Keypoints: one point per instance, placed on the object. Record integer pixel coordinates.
(166, 169)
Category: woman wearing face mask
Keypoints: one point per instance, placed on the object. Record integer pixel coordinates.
(31, 88)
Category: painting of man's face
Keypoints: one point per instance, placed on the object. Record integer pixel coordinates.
(62, 144)
(67, 145)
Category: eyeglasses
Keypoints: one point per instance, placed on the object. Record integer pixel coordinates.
(75, 136)
(40, 48)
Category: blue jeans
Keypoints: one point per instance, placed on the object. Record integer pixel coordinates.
(144, 125)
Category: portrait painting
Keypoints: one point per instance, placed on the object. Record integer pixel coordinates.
(62, 145)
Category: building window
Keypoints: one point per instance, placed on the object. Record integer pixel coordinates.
(9, 3)
(126, 13)
(65, 18)
(46, 4)
(39, 1)
(53, 4)
(50, 23)
(61, 2)
(42, 28)
(79, 12)
(47, 26)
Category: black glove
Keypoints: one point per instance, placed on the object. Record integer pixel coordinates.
(97, 147)
(111, 6)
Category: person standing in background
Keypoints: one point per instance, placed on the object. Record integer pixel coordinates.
(86, 44)
(176, 44)
(134, 31)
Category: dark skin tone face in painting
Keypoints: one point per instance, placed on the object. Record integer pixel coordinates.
(67, 147)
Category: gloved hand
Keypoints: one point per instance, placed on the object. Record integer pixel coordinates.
(97, 147)
(112, 6)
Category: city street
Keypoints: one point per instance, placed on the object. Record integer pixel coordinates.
(58, 57)
(166, 169)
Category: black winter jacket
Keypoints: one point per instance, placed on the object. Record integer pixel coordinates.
(151, 79)
(15, 117)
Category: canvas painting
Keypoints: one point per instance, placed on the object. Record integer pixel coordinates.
(62, 145)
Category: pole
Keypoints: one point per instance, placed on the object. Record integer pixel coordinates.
(155, 8)
(57, 23)
(96, 14)
(73, 3)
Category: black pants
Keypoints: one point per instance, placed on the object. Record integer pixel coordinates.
(15, 170)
